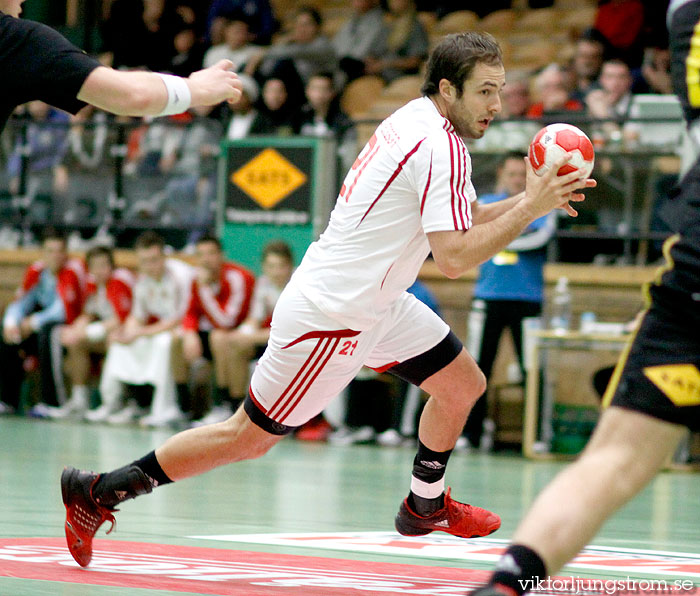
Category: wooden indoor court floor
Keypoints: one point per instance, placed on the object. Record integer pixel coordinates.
(307, 519)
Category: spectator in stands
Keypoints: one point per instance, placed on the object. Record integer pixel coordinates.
(189, 52)
(277, 114)
(587, 62)
(613, 98)
(363, 35)
(140, 33)
(236, 45)
(322, 116)
(258, 13)
(45, 150)
(655, 74)
(248, 341)
(51, 294)
(509, 288)
(554, 100)
(139, 351)
(243, 112)
(405, 46)
(219, 302)
(108, 299)
(309, 50)
(509, 131)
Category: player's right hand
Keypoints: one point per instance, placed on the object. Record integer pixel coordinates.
(547, 192)
(215, 84)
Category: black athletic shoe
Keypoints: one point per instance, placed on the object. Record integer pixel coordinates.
(84, 515)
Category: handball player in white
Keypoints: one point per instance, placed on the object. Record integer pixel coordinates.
(408, 194)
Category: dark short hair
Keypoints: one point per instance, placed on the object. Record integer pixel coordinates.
(455, 57)
(279, 248)
(149, 239)
(51, 233)
(97, 251)
(209, 239)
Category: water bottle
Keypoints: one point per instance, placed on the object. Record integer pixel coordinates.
(561, 306)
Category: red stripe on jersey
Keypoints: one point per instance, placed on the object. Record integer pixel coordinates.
(452, 186)
(463, 178)
(322, 334)
(364, 165)
(255, 401)
(427, 184)
(312, 379)
(386, 275)
(397, 171)
(460, 181)
(467, 180)
(386, 367)
(302, 387)
(281, 398)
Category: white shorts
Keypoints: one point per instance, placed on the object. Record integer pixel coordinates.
(310, 358)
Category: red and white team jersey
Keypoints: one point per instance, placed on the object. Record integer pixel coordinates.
(70, 284)
(222, 305)
(113, 300)
(412, 177)
(165, 298)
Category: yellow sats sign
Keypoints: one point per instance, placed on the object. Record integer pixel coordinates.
(268, 178)
(679, 382)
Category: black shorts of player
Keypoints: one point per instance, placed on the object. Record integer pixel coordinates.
(659, 374)
(414, 370)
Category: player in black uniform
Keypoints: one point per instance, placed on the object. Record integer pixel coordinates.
(655, 390)
(36, 62)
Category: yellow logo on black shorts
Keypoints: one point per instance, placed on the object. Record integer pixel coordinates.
(679, 382)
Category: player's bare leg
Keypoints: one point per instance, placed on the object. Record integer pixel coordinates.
(453, 391)
(199, 450)
(625, 452)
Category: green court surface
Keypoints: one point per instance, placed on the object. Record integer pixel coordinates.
(307, 519)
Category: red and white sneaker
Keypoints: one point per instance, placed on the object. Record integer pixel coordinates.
(458, 519)
(84, 515)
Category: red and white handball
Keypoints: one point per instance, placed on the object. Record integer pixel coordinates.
(551, 144)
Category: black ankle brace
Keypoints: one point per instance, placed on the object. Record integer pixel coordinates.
(120, 485)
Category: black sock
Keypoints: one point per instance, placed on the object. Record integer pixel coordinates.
(429, 467)
(519, 568)
(130, 481)
(149, 465)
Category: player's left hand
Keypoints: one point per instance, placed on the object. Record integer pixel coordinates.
(577, 197)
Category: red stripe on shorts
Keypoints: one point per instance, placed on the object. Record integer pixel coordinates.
(312, 379)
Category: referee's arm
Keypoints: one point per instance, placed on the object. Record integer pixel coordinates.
(138, 93)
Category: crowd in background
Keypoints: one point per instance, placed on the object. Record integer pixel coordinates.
(159, 327)
(294, 76)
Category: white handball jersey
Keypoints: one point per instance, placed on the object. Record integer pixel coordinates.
(412, 177)
(164, 298)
